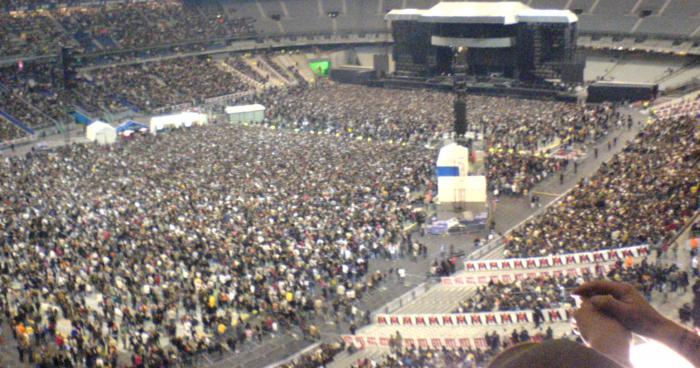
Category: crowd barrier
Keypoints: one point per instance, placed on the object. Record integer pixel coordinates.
(180, 107)
(424, 343)
(465, 280)
(472, 319)
(556, 260)
(228, 98)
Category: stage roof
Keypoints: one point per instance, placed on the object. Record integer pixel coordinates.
(469, 12)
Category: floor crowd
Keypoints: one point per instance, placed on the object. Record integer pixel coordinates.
(191, 240)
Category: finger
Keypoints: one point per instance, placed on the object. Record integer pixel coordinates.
(582, 317)
(601, 287)
(610, 306)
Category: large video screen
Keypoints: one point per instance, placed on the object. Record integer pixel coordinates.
(320, 67)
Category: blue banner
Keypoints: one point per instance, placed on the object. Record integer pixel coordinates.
(447, 171)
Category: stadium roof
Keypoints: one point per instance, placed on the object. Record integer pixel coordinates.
(505, 12)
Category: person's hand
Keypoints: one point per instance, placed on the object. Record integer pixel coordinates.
(626, 305)
(604, 334)
(622, 302)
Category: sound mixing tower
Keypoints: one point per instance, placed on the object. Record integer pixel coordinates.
(461, 125)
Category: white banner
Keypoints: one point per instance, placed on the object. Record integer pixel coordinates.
(472, 319)
(556, 260)
(514, 276)
(431, 343)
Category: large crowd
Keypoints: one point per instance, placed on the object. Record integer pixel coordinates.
(425, 116)
(516, 131)
(21, 110)
(554, 291)
(9, 131)
(317, 358)
(195, 241)
(512, 167)
(35, 85)
(526, 294)
(169, 82)
(415, 357)
(516, 174)
(641, 196)
(31, 34)
(34, 96)
(115, 26)
(33, 93)
(179, 237)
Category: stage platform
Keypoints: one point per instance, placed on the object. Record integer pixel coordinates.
(489, 88)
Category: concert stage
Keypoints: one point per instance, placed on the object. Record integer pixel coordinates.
(506, 39)
(494, 87)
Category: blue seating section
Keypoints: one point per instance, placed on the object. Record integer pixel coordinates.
(16, 122)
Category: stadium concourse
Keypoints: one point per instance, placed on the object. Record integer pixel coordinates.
(622, 133)
(299, 141)
(296, 143)
(297, 241)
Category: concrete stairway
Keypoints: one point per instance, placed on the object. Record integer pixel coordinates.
(223, 65)
(284, 61)
(271, 71)
(272, 80)
(302, 64)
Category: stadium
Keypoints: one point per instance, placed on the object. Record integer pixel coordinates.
(349, 183)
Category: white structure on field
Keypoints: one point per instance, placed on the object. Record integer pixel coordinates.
(101, 132)
(186, 119)
(245, 113)
(455, 185)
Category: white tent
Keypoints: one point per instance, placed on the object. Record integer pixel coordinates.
(245, 113)
(186, 119)
(101, 133)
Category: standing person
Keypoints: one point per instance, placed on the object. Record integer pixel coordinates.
(694, 265)
(694, 247)
(524, 335)
(537, 316)
(695, 312)
(495, 340)
(683, 281)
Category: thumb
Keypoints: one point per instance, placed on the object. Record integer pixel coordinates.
(610, 306)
